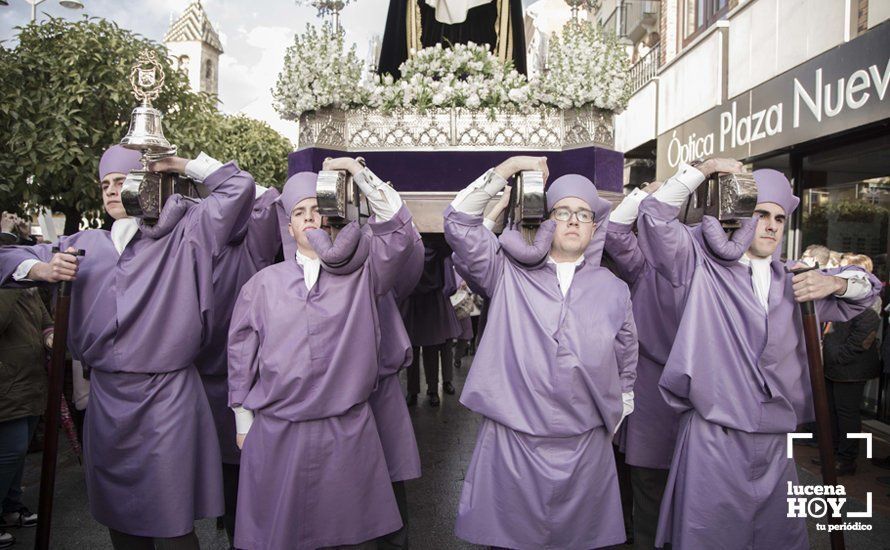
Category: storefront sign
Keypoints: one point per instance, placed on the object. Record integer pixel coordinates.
(844, 88)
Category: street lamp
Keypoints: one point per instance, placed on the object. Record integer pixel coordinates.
(70, 4)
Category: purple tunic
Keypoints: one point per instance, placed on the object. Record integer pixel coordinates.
(647, 436)
(313, 472)
(394, 351)
(548, 379)
(137, 320)
(739, 376)
(253, 247)
(431, 319)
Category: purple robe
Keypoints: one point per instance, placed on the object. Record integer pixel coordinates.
(137, 320)
(739, 377)
(431, 319)
(253, 247)
(547, 378)
(387, 402)
(313, 472)
(648, 434)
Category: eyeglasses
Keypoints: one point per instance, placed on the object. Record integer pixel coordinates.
(564, 214)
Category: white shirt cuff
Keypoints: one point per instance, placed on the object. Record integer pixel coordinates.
(681, 185)
(199, 169)
(627, 402)
(382, 198)
(858, 286)
(627, 211)
(243, 420)
(627, 399)
(21, 272)
(474, 198)
(489, 224)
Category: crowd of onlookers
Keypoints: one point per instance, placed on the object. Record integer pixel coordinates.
(25, 337)
(852, 355)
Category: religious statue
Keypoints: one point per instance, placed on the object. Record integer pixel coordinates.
(417, 24)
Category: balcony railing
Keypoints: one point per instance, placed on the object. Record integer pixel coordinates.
(644, 70)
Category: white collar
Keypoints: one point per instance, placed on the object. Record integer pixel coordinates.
(748, 261)
(311, 269)
(122, 232)
(577, 262)
(303, 259)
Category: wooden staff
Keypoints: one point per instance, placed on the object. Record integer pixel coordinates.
(812, 336)
(53, 412)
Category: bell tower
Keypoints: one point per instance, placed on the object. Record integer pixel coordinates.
(195, 48)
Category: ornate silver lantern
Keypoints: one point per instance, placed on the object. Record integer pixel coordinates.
(144, 192)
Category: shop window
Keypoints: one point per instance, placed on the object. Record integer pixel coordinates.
(846, 200)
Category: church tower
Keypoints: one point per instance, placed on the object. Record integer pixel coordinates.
(195, 48)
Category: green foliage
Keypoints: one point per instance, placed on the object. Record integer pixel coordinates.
(846, 211)
(65, 97)
(257, 148)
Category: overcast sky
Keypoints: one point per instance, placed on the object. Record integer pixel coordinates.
(254, 34)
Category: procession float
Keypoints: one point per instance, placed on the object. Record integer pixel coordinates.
(454, 110)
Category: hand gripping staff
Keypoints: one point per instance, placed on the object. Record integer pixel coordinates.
(53, 412)
(820, 402)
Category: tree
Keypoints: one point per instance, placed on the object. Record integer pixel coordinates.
(258, 148)
(65, 97)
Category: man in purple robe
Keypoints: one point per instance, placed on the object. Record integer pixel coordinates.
(253, 246)
(553, 374)
(303, 363)
(647, 436)
(140, 303)
(737, 370)
(387, 403)
(432, 324)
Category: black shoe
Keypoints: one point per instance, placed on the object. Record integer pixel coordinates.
(411, 400)
(22, 518)
(434, 399)
(6, 539)
(448, 387)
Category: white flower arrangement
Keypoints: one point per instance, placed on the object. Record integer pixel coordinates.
(318, 72)
(466, 75)
(586, 67)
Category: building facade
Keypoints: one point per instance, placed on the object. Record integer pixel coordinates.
(800, 86)
(195, 48)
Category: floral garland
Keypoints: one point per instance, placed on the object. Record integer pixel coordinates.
(586, 67)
